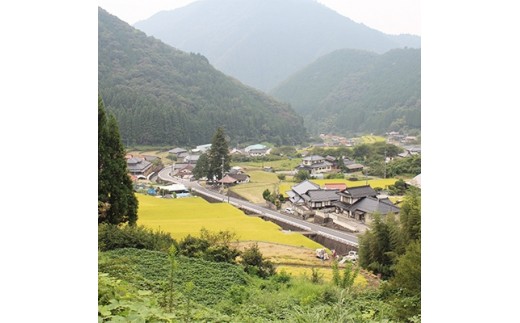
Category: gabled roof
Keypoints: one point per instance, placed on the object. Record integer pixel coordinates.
(255, 147)
(354, 166)
(177, 150)
(304, 186)
(239, 177)
(135, 165)
(323, 195)
(373, 205)
(227, 180)
(313, 158)
(359, 191)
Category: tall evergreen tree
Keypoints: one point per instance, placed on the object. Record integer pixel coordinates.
(201, 168)
(116, 200)
(218, 155)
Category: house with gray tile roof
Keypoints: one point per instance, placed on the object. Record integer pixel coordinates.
(315, 164)
(317, 199)
(353, 194)
(311, 195)
(296, 192)
(139, 167)
(365, 208)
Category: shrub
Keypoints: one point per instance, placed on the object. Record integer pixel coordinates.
(255, 264)
(353, 178)
(111, 236)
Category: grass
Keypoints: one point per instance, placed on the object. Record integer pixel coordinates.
(259, 182)
(326, 272)
(181, 217)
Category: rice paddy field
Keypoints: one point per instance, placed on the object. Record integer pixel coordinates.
(184, 216)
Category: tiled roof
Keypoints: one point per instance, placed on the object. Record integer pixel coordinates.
(239, 177)
(373, 205)
(304, 186)
(360, 191)
(313, 157)
(137, 165)
(323, 195)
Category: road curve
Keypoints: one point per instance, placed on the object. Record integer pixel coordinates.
(336, 235)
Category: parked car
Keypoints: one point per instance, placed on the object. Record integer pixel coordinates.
(289, 210)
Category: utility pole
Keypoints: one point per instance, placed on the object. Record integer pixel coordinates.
(222, 179)
(384, 176)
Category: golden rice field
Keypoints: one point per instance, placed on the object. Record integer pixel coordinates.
(184, 216)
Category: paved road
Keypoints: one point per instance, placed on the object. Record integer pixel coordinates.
(340, 236)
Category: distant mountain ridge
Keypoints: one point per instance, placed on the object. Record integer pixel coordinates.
(262, 42)
(163, 96)
(352, 91)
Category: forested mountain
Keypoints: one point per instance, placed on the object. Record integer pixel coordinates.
(163, 96)
(262, 42)
(354, 91)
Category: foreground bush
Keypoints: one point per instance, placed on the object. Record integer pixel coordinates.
(112, 237)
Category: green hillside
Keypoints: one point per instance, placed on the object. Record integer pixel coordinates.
(163, 96)
(353, 91)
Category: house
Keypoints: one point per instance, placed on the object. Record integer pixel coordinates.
(317, 199)
(312, 196)
(258, 152)
(139, 167)
(177, 151)
(201, 148)
(351, 168)
(240, 177)
(186, 172)
(362, 202)
(297, 191)
(191, 159)
(363, 209)
(315, 164)
(253, 147)
(352, 195)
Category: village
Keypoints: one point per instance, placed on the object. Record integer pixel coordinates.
(339, 204)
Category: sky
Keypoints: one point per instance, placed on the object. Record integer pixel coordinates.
(389, 16)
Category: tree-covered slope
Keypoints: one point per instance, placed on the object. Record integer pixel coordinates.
(161, 95)
(262, 42)
(352, 91)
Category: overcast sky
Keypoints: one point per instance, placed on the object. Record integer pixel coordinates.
(388, 16)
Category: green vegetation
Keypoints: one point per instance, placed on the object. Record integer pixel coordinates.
(162, 96)
(216, 162)
(392, 248)
(159, 286)
(111, 236)
(352, 91)
(116, 200)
